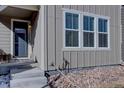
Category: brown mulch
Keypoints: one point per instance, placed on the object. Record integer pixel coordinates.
(98, 77)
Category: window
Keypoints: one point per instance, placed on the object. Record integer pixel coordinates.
(88, 31)
(72, 30)
(85, 30)
(102, 32)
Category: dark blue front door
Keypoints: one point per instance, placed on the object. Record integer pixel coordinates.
(20, 42)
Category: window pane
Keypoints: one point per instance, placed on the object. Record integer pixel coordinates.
(88, 39)
(88, 23)
(71, 38)
(75, 21)
(68, 20)
(102, 25)
(103, 40)
(91, 24)
(85, 23)
(105, 26)
(75, 38)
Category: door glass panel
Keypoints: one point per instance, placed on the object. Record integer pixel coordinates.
(21, 46)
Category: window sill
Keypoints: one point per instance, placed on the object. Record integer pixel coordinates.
(86, 49)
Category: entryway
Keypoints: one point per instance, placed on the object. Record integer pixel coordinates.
(20, 39)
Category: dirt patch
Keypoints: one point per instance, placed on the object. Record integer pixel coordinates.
(98, 77)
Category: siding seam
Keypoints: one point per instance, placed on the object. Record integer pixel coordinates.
(70, 59)
(77, 59)
(55, 33)
(47, 33)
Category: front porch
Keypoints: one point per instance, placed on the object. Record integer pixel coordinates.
(20, 26)
(21, 74)
(20, 57)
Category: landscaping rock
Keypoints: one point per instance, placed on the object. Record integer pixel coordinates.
(97, 77)
(4, 81)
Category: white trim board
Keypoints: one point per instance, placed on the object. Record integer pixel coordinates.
(29, 46)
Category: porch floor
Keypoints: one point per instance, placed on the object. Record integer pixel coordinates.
(17, 62)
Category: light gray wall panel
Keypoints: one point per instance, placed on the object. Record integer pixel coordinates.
(92, 8)
(51, 36)
(74, 7)
(86, 58)
(59, 13)
(51, 11)
(67, 57)
(80, 7)
(66, 6)
(112, 43)
(59, 36)
(122, 22)
(74, 60)
(97, 58)
(86, 8)
(80, 59)
(117, 45)
(5, 34)
(45, 37)
(103, 58)
(38, 39)
(83, 58)
(92, 57)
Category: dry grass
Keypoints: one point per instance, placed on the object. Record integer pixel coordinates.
(99, 77)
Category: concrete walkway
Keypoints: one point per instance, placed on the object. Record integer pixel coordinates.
(27, 78)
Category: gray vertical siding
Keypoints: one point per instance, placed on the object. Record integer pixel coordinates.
(122, 24)
(59, 54)
(5, 34)
(54, 52)
(51, 32)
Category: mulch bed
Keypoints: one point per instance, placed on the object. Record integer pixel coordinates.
(97, 77)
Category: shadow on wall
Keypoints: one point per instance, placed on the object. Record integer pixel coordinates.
(6, 22)
(5, 25)
(34, 23)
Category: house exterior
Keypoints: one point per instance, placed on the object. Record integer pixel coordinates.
(82, 35)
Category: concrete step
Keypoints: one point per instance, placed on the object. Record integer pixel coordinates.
(4, 70)
(32, 82)
(26, 73)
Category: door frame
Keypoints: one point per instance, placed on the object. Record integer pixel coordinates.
(12, 39)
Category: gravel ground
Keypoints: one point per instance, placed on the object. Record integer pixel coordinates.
(97, 77)
(4, 77)
(4, 81)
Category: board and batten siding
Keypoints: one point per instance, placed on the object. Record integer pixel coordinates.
(38, 38)
(5, 34)
(122, 24)
(54, 52)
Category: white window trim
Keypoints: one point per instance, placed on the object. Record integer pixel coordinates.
(108, 33)
(80, 47)
(94, 31)
(12, 39)
(64, 26)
